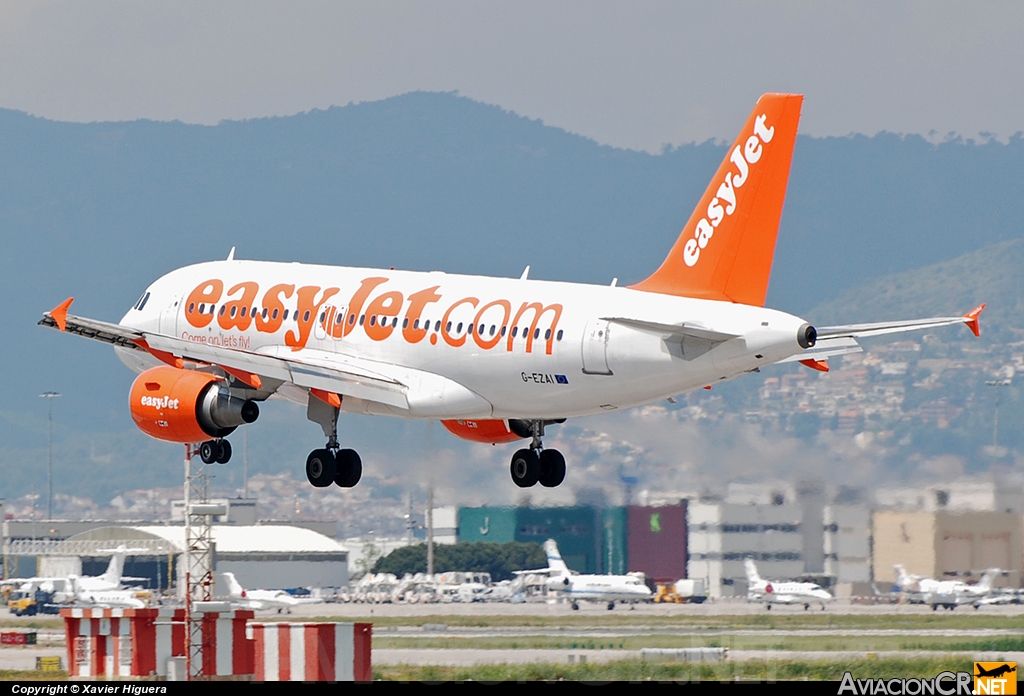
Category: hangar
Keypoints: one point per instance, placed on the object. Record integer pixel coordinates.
(260, 556)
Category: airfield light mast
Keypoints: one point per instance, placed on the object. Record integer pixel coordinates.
(49, 396)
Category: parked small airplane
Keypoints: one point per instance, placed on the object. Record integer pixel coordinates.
(126, 599)
(259, 600)
(61, 587)
(496, 360)
(768, 592)
(945, 593)
(591, 588)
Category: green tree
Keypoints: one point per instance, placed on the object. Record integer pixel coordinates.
(500, 560)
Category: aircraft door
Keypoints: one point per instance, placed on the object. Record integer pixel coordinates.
(327, 330)
(169, 317)
(595, 348)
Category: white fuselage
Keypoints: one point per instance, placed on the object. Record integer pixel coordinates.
(546, 349)
(788, 593)
(602, 588)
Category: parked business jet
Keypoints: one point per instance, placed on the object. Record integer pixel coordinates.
(62, 587)
(496, 360)
(258, 600)
(125, 599)
(607, 589)
(947, 594)
(768, 592)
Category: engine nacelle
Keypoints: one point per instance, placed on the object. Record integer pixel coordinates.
(186, 406)
(558, 584)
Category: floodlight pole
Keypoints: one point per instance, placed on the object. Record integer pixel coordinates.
(49, 396)
(997, 383)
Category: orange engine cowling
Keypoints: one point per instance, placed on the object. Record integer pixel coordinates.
(186, 406)
(489, 431)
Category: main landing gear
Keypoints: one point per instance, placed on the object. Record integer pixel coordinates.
(215, 451)
(537, 465)
(332, 464)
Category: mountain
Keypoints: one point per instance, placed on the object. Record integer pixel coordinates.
(993, 274)
(422, 181)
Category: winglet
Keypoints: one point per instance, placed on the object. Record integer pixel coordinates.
(60, 313)
(971, 319)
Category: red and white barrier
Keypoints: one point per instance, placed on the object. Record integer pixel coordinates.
(139, 642)
(312, 651)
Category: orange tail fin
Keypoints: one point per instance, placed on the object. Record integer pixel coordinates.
(725, 250)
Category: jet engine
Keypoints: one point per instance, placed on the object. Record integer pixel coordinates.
(186, 406)
(560, 583)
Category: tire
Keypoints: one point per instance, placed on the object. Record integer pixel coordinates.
(552, 468)
(208, 451)
(349, 468)
(320, 468)
(525, 468)
(224, 453)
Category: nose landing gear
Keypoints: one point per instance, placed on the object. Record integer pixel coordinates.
(536, 464)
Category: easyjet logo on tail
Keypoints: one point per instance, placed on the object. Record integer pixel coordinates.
(423, 315)
(724, 203)
(724, 251)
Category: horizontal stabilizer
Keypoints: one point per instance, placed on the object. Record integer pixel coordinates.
(890, 327)
(673, 330)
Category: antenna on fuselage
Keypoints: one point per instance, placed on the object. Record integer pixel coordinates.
(231, 254)
(526, 273)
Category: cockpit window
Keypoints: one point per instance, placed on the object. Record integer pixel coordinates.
(142, 301)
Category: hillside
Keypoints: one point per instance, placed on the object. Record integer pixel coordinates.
(435, 181)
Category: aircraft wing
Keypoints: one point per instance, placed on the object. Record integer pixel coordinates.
(340, 374)
(344, 375)
(889, 327)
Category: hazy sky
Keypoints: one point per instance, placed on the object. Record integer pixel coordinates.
(631, 74)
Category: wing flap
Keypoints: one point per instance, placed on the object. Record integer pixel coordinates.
(114, 334)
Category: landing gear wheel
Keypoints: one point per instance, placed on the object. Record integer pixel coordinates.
(611, 605)
(575, 606)
(224, 456)
(525, 468)
(552, 468)
(320, 468)
(349, 468)
(209, 451)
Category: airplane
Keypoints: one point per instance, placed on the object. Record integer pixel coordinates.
(62, 586)
(496, 360)
(945, 593)
(769, 593)
(259, 600)
(999, 671)
(124, 599)
(591, 588)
